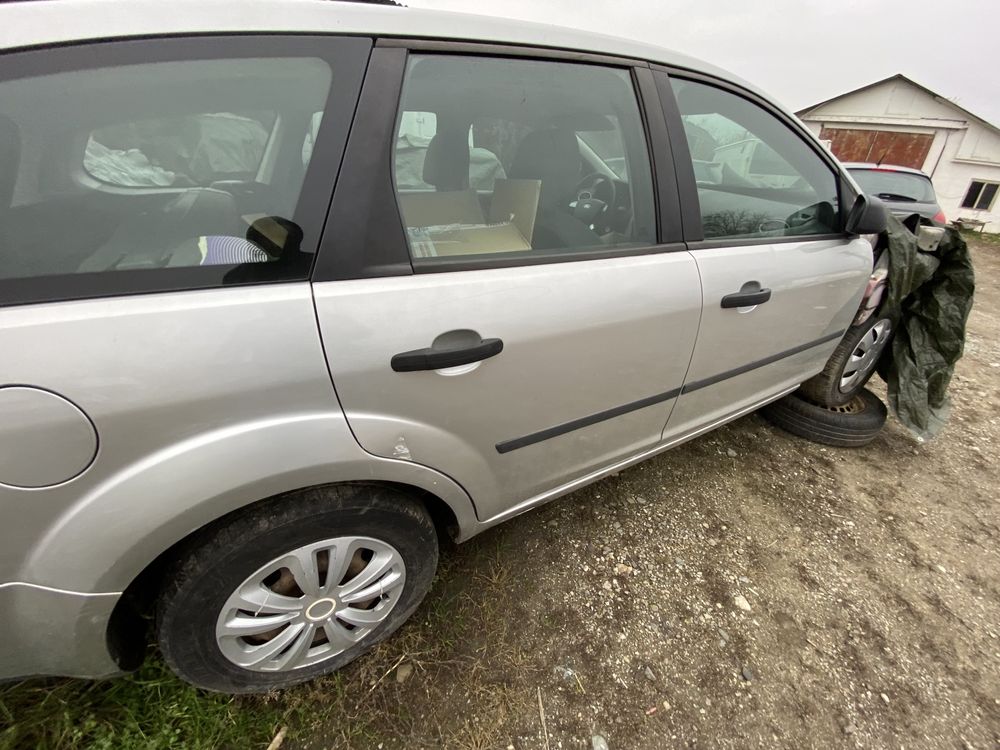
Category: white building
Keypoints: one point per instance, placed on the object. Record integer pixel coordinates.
(898, 121)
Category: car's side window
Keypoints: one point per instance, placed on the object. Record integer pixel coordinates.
(162, 162)
(755, 176)
(510, 157)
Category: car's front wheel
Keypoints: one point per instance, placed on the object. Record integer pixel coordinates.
(295, 587)
(851, 365)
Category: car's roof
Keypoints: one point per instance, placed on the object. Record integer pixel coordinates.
(29, 23)
(882, 167)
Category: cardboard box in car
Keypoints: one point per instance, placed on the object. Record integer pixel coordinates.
(516, 201)
(435, 209)
(474, 240)
(452, 223)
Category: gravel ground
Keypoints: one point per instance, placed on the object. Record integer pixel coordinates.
(746, 589)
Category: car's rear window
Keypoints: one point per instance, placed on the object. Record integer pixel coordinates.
(891, 185)
(155, 165)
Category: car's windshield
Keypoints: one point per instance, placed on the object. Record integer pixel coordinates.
(893, 185)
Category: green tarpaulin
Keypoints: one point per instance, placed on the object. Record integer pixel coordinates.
(929, 298)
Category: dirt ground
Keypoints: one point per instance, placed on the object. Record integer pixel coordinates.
(869, 579)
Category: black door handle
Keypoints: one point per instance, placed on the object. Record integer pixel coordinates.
(437, 359)
(746, 299)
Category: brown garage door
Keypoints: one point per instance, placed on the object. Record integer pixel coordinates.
(882, 146)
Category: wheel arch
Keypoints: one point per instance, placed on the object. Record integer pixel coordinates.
(113, 534)
(129, 625)
(116, 527)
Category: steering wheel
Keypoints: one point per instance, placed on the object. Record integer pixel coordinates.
(595, 195)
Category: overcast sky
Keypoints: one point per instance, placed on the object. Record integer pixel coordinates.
(801, 51)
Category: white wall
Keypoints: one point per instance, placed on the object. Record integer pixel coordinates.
(893, 101)
(980, 144)
(813, 126)
(951, 182)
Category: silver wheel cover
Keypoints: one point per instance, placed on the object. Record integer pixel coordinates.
(310, 604)
(865, 355)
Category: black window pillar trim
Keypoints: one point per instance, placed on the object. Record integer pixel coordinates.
(846, 195)
(665, 185)
(365, 235)
(687, 186)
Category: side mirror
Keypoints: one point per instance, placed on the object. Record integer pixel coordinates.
(867, 216)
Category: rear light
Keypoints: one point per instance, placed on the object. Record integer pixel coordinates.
(940, 218)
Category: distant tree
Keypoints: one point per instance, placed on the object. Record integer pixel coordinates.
(732, 222)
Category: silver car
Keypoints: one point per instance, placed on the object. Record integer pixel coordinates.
(290, 290)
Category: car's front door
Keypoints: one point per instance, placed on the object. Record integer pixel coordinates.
(538, 332)
(781, 281)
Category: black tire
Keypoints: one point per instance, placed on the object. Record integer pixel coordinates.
(216, 560)
(849, 426)
(825, 388)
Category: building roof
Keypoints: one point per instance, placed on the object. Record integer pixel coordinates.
(900, 77)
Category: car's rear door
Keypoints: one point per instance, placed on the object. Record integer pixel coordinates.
(764, 214)
(597, 327)
(161, 202)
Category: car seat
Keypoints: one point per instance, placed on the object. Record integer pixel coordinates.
(446, 164)
(553, 156)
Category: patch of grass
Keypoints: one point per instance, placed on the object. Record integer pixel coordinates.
(150, 709)
(465, 643)
(981, 237)
(464, 646)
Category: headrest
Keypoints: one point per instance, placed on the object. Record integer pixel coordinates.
(446, 165)
(552, 156)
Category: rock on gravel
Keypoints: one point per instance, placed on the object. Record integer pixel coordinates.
(403, 672)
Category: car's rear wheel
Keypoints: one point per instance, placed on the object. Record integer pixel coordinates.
(851, 365)
(295, 588)
(851, 425)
